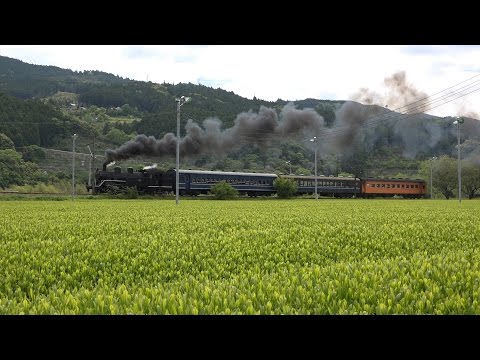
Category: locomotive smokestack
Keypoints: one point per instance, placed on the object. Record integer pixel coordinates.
(105, 165)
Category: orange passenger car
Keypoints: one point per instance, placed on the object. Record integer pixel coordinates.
(391, 187)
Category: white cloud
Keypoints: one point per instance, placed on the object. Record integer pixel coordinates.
(271, 72)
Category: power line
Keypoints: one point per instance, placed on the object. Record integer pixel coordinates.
(398, 109)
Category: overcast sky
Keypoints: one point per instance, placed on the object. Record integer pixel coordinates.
(288, 72)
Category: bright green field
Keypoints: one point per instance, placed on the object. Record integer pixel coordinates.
(240, 257)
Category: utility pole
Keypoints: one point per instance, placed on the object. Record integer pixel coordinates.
(91, 183)
(182, 100)
(336, 163)
(457, 122)
(316, 180)
(177, 172)
(90, 167)
(314, 140)
(94, 182)
(73, 168)
(431, 176)
(290, 165)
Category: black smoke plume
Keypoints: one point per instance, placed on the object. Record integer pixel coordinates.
(349, 119)
(249, 127)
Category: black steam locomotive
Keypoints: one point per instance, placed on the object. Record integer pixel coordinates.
(195, 182)
(191, 182)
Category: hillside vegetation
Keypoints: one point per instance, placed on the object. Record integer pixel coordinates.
(45, 105)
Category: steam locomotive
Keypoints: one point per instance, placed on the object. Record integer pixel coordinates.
(195, 182)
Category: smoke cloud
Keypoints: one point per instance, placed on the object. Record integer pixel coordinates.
(249, 127)
(349, 120)
(399, 94)
(351, 124)
(462, 109)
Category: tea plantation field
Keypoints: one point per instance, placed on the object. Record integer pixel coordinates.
(299, 256)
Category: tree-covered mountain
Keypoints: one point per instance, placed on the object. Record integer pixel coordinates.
(32, 122)
(95, 88)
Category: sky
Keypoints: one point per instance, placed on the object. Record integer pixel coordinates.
(445, 73)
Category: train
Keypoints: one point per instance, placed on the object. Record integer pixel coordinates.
(195, 182)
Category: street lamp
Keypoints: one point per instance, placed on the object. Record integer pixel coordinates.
(73, 168)
(431, 175)
(314, 140)
(90, 170)
(290, 165)
(180, 101)
(457, 122)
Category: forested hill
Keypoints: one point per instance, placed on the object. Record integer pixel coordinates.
(105, 90)
(44, 105)
(26, 81)
(31, 122)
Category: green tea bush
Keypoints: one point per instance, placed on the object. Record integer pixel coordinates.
(240, 257)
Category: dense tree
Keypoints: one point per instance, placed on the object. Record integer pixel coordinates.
(32, 153)
(106, 128)
(223, 191)
(250, 161)
(327, 110)
(117, 136)
(32, 122)
(470, 178)
(15, 171)
(445, 175)
(6, 142)
(355, 161)
(286, 188)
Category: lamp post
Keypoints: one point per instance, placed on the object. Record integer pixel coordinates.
(90, 169)
(73, 168)
(314, 140)
(431, 175)
(457, 122)
(290, 165)
(180, 101)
